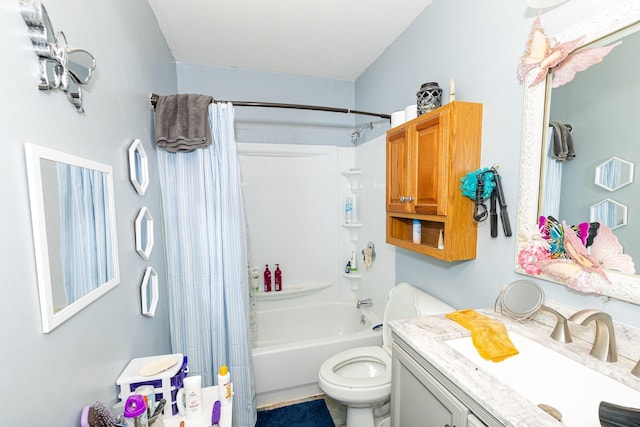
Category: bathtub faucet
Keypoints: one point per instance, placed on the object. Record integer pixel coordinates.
(364, 303)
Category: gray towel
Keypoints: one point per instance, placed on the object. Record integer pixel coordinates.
(182, 122)
(562, 149)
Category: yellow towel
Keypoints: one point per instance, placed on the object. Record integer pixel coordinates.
(489, 336)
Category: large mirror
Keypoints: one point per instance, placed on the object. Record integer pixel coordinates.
(74, 231)
(593, 114)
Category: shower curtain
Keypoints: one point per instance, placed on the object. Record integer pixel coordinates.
(207, 270)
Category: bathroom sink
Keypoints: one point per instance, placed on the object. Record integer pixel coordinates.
(544, 376)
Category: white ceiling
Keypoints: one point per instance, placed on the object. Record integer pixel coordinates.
(323, 38)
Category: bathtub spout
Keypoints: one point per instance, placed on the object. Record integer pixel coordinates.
(364, 303)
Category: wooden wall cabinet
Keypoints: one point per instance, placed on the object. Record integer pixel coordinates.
(426, 159)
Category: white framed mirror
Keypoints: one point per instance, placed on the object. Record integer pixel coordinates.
(620, 22)
(143, 228)
(149, 292)
(614, 174)
(138, 167)
(74, 231)
(609, 212)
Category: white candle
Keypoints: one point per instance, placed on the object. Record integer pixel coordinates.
(452, 90)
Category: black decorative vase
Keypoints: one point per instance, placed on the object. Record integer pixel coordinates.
(429, 97)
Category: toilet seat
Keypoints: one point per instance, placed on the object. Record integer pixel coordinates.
(357, 355)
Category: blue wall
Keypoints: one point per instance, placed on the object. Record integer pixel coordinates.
(480, 49)
(48, 378)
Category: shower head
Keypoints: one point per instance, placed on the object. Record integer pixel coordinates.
(355, 135)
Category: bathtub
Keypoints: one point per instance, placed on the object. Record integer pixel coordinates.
(293, 342)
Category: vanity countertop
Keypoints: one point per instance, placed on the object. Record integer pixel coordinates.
(428, 335)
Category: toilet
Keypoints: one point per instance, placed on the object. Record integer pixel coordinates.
(361, 377)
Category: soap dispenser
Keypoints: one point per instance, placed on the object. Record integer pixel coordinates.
(278, 280)
(267, 279)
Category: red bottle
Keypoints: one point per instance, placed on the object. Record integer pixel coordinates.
(278, 278)
(267, 279)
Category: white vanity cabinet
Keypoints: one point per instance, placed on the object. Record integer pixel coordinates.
(418, 398)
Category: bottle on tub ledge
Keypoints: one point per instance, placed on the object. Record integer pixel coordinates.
(278, 278)
(267, 279)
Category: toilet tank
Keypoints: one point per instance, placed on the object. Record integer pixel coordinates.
(406, 302)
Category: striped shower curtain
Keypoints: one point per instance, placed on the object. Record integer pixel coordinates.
(207, 274)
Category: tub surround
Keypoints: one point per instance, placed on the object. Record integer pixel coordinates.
(427, 337)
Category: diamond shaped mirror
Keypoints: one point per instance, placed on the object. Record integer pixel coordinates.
(138, 167)
(149, 292)
(143, 227)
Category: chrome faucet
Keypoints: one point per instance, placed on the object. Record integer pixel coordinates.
(364, 303)
(561, 331)
(604, 343)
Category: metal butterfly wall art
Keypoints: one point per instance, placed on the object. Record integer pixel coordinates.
(546, 55)
(61, 67)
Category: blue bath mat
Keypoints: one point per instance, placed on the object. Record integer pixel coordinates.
(306, 414)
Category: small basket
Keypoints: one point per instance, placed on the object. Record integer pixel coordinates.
(166, 383)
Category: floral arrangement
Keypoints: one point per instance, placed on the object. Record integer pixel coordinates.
(574, 255)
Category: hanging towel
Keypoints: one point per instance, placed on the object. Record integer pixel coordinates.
(489, 336)
(562, 149)
(182, 122)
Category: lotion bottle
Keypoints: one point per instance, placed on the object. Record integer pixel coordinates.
(267, 279)
(278, 278)
(224, 385)
(353, 266)
(348, 211)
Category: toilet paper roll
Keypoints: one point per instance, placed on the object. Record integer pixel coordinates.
(411, 112)
(397, 118)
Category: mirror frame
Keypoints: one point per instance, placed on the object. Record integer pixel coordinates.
(144, 243)
(535, 109)
(150, 279)
(34, 154)
(137, 149)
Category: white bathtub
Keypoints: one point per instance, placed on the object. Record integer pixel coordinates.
(293, 342)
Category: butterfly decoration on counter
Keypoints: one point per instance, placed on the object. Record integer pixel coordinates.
(546, 55)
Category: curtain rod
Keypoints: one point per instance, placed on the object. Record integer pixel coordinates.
(153, 98)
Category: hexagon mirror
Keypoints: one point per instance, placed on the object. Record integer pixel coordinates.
(149, 292)
(138, 167)
(609, 212)
(143, 228)
(614, 174)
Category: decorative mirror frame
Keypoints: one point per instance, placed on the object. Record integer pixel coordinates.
(536, 102)
(138, 167)
(149, 283)
(144, 241)
(51, 318)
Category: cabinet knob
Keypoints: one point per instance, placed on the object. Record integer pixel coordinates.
(410, 199)
(402, 199)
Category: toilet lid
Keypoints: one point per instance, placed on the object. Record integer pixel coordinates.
(372, 353)
(401, 305)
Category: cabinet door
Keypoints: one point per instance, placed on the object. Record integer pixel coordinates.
(398, 145)
(430, 165)
(418, 399)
